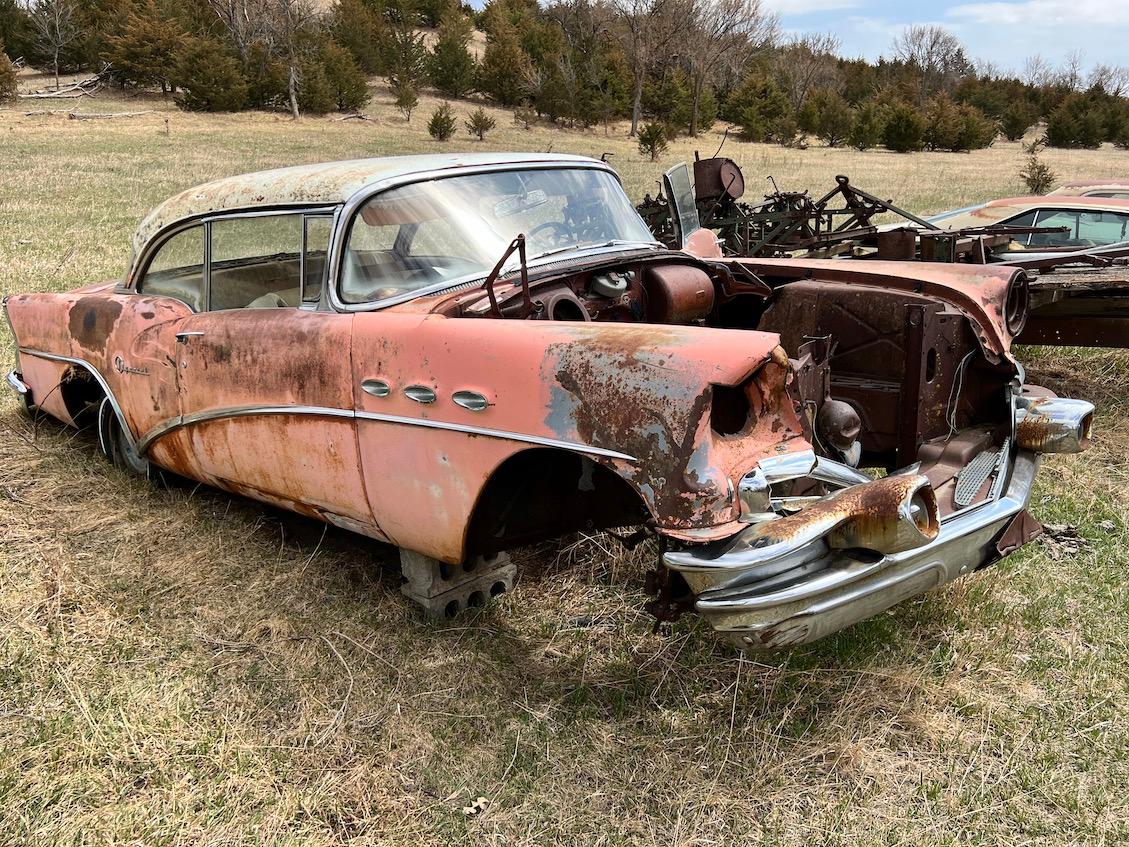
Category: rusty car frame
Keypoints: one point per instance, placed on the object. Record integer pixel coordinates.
(461, 355)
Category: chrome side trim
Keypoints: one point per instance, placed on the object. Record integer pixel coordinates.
(165, 427)
(82, 363)
(500, 434)
(172, 424)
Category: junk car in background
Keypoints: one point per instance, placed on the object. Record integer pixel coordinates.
(460, 355)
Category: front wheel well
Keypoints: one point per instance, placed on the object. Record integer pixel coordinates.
(544, 493)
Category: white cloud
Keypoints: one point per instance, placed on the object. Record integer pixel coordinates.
(1046, 13)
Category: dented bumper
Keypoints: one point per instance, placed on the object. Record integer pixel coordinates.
(819, 588)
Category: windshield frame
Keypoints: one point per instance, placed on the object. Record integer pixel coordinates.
(353, 207)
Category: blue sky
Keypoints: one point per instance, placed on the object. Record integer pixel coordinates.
(1002, 31)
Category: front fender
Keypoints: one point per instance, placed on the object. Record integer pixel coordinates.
(635, 398)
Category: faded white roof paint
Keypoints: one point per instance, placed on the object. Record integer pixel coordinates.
(325, 184)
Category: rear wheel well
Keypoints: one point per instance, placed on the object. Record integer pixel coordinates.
(544, 493)
(82, 395)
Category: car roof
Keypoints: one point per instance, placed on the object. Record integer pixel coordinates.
(1079, 185)
(995, 211)
(1061, 201)
(325, 184)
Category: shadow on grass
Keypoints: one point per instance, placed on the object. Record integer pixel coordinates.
(595, 659)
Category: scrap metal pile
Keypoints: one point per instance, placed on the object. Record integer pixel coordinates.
(841, 223)
(1078, 297)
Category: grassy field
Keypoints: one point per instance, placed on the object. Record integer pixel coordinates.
(183, 667)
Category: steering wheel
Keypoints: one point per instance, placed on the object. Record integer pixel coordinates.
(559, 234)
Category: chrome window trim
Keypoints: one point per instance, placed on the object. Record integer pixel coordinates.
(101, 380)
(349, 212)
(306, 218)
(140, 264)
(165, 427)
(207, 265)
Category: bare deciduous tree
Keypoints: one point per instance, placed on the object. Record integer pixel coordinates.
(719, 32)
(1036, 71)
(287, 28)
(1070, 74)
(937, 54)
(1112, 79)
(807, 63)
(647, 29)
(56, 27)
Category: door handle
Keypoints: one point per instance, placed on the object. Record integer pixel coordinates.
(182, 337)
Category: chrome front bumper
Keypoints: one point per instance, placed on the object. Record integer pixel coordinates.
(823, 589)
(17, 384)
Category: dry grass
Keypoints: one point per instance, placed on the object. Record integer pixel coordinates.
(183, 667)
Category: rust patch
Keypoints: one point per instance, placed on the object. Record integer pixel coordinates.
(92, 319)
(872, 516)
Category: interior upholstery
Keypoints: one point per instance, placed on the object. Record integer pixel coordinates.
(245, 285)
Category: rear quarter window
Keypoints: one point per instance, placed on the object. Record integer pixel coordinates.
(177, 269)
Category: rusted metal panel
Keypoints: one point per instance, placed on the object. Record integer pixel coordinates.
(981, 292)
(639, 391)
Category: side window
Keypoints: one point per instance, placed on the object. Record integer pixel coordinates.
(255, 262)
(315, 254)
(1087, 229)
(1026, 219)
(1101, 227)
(1056, 239)
(177, 270)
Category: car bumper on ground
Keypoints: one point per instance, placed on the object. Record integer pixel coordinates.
(16, 384)
(842, 587)
(773, 590)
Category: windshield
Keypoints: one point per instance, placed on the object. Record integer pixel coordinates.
(425, 233)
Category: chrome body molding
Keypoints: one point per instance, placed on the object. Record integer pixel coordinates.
(101, 380)
(164, 428)
(420, 393)
(471, 401)
(376, 387)
(17, 384)
(820, 590)
(141, 445)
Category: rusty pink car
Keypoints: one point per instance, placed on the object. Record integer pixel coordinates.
(459, 355)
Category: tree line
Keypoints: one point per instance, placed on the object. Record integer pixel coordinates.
(670, 66)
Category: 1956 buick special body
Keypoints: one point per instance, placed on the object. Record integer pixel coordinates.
(461, 355)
